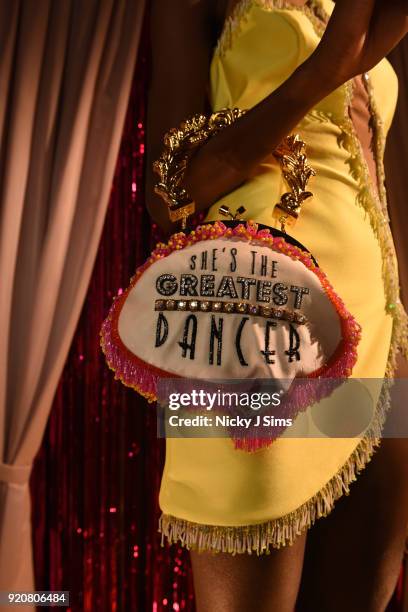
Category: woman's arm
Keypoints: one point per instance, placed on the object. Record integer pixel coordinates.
(350, 45)
(183, 34)
(396, 155)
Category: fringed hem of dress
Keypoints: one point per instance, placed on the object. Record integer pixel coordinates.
(259, 538)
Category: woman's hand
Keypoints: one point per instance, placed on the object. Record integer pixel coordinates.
(360, 33)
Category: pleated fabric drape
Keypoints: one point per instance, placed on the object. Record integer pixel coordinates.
(66, 69)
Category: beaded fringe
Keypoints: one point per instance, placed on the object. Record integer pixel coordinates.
(282, 531)
(276, 533)
(376, 208)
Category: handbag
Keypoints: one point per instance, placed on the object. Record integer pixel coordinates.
(233, 299)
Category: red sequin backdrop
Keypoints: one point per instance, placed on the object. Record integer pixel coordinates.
(96, 478)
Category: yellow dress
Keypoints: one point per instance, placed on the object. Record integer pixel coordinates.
(213, 496)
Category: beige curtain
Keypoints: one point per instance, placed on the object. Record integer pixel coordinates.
(396, 166)
(66, 68)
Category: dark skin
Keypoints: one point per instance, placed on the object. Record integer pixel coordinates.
(350, 560)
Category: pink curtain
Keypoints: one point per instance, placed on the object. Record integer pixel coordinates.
(65, 73)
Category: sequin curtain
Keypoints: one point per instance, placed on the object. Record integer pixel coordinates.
(95, 481)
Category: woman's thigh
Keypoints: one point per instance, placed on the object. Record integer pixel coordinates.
(239, 583)
(353, 557)
(348, 561)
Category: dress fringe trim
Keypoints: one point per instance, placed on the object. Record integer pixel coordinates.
(259, 538)
(375, 206)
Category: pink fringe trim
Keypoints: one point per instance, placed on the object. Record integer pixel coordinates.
(143, 377)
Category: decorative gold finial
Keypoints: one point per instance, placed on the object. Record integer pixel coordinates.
(297, 173)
